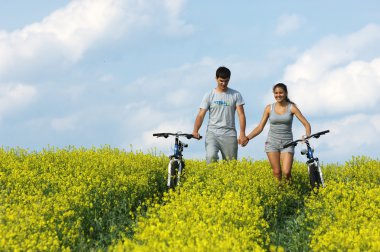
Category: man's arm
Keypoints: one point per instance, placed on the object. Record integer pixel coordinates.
(198, 122)
(242, 123)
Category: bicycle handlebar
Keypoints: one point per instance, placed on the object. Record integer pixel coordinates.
(315, 135)
(166, 135)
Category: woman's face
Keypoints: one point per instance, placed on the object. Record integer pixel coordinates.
(279, 94)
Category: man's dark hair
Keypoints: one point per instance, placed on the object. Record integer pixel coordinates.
(223, 72)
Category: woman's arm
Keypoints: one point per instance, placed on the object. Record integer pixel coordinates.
(256, 131)
(302, 119)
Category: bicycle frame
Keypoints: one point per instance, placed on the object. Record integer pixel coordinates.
(314, 169)
(176, 158)
(176, 163)
(312, 162)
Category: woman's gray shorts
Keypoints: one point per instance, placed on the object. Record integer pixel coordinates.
(276, 145)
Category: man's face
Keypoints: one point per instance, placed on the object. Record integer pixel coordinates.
(222, 83)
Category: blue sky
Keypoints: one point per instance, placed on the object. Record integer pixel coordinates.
(112, 72)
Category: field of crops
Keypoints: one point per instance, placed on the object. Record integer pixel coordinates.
(78, 199)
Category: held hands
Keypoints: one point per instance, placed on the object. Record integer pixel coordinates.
(243, 140)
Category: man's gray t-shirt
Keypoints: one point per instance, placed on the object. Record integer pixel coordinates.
(222, 107)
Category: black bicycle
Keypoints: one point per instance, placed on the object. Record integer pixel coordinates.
(176, 164)
(314, 169)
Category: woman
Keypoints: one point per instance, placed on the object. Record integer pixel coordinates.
(280, 115)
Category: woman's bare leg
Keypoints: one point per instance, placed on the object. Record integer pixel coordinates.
(274, 160)
(287, 162)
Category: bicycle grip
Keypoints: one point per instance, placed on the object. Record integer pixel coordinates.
(324, 132)
(161, 135)
(294, 143)
(317, 135)
(192, 136)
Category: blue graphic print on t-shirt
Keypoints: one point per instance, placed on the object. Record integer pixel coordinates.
(222, 103)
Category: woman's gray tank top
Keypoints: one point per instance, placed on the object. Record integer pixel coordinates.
(281, 125)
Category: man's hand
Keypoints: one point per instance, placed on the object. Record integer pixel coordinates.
(196, 135)
(243, 140)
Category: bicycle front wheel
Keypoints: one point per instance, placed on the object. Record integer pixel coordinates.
(314, 176)
(172, 174)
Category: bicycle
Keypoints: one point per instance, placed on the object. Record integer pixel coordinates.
(314, 169)
(176, 164)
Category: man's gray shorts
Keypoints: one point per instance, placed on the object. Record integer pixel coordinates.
(227, 145)
(276, 145)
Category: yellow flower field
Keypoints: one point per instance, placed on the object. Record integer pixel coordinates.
(107, 199)
(72, 198)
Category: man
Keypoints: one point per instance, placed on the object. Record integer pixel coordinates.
(222, 103)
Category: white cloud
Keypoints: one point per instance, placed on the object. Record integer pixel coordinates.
(63, 35)
(335, 83)
(338, 74)
(177, 26)
(170, 126)
(334, 52)
(288, 23)
(15, 96)
(178, 97)
(177, 88)
(66, 34)
(141, 121)
(353, 135)
(344, 90)
(143, 116)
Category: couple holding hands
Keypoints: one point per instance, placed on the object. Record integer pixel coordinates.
(222, 103)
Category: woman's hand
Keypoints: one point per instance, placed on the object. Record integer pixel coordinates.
(243, 142)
